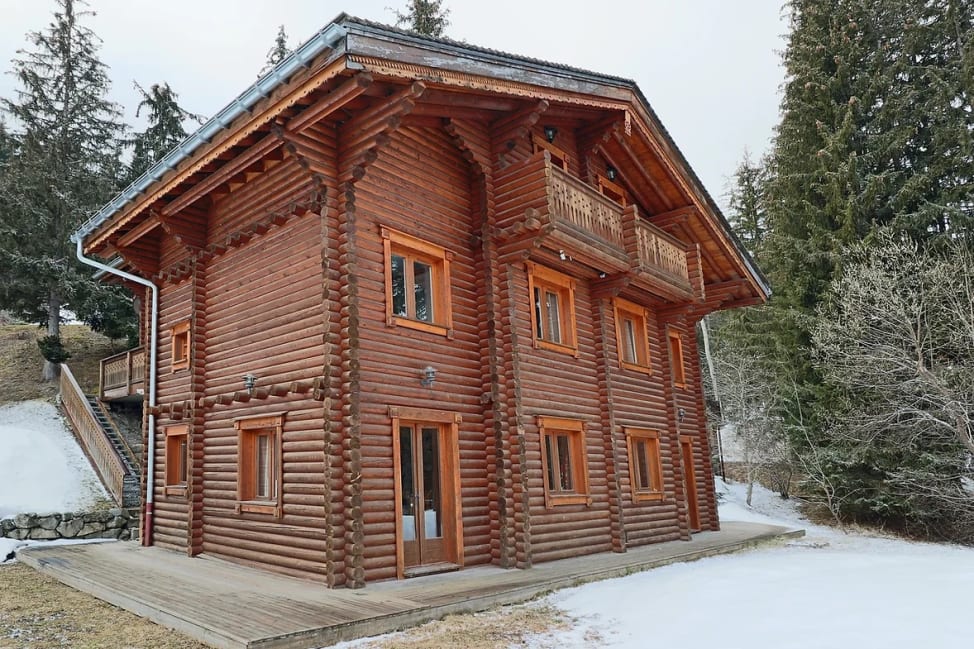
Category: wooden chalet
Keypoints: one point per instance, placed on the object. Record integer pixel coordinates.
(421, 306)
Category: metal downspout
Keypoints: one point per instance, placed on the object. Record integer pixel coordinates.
(153, 347)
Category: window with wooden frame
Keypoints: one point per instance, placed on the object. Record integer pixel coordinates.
(259, 464)
(177, 459)
(563, 461)
(676, 357)
(645, 466)
(417, 282)
(632, 335)
(180, 346)
(552, 309)
(558, 156)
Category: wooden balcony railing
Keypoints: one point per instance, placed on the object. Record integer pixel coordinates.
(104, 458)
(122, 374)
(658, 250)
(582, 206)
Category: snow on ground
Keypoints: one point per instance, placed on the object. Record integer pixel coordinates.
(829, 589)
(42, 468)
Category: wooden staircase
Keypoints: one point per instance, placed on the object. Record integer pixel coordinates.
(115, 457)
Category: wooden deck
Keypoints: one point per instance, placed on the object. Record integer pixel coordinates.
(236, 607)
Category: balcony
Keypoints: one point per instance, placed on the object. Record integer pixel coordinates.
(122, 376)
(538, 201)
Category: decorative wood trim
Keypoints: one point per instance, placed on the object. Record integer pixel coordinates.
(171, 486)
(251, 425)
(674, 338)
(180, 342)
(439, 260)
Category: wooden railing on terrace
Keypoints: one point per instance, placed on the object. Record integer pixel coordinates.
(585, 208)
(104, 458)
(122, 374)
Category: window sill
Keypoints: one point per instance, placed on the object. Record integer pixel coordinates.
(647, 496)
(555, 500)
(681, 386)
(556, 347)
(182, 365)
(419, 325)
(252, 507)
(175, 490)
(642, 369)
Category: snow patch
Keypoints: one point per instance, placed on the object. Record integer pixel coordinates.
(42, 468)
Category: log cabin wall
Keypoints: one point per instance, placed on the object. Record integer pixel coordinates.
(640, 400)
(558, 384)
(697, 429)
(420, 186)
(171, 513)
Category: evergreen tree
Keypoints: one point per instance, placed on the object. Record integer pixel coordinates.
(279, 51)
(165, 129)
(748, 216)
(66, 136)
(426, 17)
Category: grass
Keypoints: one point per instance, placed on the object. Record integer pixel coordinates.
(39, 612)
(21, 362)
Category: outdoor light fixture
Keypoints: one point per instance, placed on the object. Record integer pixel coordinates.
(429, 375)
(249, 382)
(682, 414)
(549, 133)
(611, 172)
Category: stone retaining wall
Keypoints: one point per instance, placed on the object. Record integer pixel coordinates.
(106, 524)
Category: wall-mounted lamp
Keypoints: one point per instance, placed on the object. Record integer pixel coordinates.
(250, 381)
(681, 414)
(549, 133)
(429, 376)
(611, 172)
(562, 255)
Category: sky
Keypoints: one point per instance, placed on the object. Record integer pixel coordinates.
(711, 69)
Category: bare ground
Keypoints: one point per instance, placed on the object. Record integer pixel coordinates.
(21, 362)
(38, 612)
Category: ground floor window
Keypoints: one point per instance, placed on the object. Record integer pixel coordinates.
(177, 459)
(563, 461)
(645, 467)
(259, 464)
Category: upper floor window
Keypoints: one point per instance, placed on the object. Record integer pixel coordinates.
(259, 464)
(632, 335)
(417, 283)
(553, 309)
(676, 358)
(180, 346)
(563, 461)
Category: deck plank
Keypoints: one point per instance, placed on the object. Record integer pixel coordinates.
(237, 607)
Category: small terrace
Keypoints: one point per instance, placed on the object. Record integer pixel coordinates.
(121, 377)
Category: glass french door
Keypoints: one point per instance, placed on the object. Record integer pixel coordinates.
(422, 464)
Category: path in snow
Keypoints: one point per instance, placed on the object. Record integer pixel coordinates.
(42, 468)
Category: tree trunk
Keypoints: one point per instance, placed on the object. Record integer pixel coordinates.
(51, 370)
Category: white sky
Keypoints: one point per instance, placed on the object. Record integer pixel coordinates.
(710, 68)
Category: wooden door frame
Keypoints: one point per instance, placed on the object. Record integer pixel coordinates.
(449, 423)
(690, 486)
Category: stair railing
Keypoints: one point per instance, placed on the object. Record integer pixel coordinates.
(105, 459)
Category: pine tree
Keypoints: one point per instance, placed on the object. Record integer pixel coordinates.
(426, 17)
(164, 131)
(279, 51)
(748, 216)
(65, 164)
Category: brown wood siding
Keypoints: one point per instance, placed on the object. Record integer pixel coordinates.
(171, 512)
(639, 400)
(171, 252)
(419, 178)
(264, 316)
(697, 427)
(561, 385)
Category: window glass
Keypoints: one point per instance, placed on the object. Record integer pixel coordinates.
(399, 285)
(423, 290)
(629, 342)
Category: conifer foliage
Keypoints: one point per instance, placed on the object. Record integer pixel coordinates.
(65, 138)
(426, 17)
(164, 131)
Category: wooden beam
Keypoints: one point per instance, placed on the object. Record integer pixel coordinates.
(643, 173)
(331, 102)
(139, 231)
(238, 164)
(473, 141)
(674, 218)
(518, 125)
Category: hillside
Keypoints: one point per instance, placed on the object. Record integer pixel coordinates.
(21, 362)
